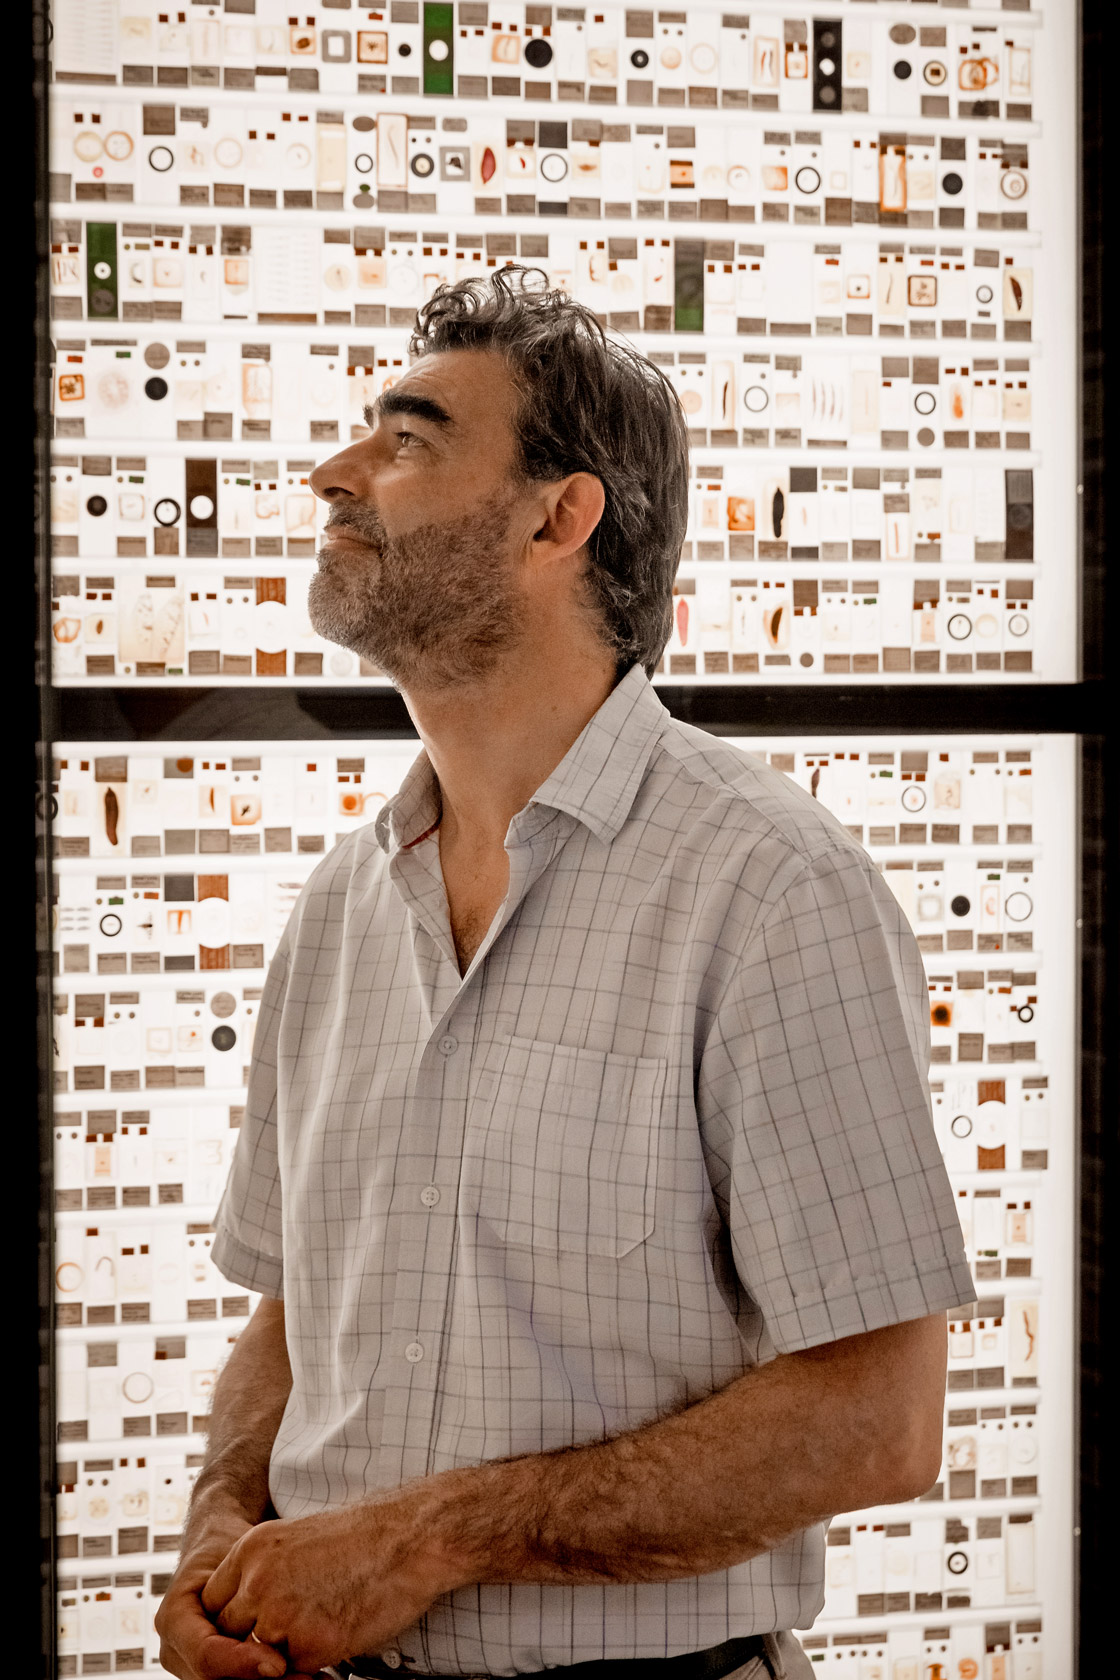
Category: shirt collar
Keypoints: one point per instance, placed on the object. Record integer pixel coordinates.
(413, 810)
(596, 781)
(598, 778)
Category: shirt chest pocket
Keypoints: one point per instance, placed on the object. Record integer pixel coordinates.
(561, 1147)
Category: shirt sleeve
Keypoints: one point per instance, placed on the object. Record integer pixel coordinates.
(814, 1106)
(248, 1245)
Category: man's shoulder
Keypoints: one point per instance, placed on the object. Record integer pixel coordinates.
(354, 864)
(737, 795)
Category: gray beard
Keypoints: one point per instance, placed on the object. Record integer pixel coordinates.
(435, 608)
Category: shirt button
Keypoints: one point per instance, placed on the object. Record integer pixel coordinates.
(391, 1659)
(448, 1045)
(414, 1353)
(429, 1195)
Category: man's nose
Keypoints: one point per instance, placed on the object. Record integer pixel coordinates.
(340, 477)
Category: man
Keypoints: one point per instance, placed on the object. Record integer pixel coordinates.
(587, 1171)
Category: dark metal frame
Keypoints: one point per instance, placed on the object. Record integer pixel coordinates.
(1098, 1131)
(1087, 708)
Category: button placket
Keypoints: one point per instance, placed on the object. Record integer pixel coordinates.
(427, 1239)
(427, 1246)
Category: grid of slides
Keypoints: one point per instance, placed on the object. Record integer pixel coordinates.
(846, 232)
(177, 869)
(847, 238)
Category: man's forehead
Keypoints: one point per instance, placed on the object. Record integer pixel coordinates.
(456, 378)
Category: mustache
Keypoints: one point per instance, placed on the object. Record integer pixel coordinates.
(361, 520)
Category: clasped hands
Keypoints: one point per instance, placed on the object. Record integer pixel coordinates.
(297, 1595)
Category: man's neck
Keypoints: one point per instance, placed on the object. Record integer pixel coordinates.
(493, 745)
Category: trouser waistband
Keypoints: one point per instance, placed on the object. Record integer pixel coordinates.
(719, 1662)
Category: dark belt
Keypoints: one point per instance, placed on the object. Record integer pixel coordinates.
(712, 1664)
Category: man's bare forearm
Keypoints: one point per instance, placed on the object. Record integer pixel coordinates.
(247, 1407)
(708, 1487)
(831, 1429)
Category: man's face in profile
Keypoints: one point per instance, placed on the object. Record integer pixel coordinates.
(420, 572)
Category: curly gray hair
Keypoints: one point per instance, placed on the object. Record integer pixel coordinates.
(587, 403)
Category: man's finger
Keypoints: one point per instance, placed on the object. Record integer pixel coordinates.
(222, 1585)
(238, 1619)
(218, 1658)
(191, 1648)
(186, 1630)
(215, 1658)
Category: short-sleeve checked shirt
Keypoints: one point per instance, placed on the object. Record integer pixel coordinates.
(672, 1121)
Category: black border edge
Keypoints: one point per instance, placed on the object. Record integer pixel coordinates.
(33, 1239)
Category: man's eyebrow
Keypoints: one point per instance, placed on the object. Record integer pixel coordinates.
(407, 402)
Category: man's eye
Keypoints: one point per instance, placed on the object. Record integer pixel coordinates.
(407, 437)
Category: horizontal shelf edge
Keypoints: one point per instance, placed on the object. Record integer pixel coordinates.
(248, 713)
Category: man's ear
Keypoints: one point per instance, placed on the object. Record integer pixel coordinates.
(573, 507)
